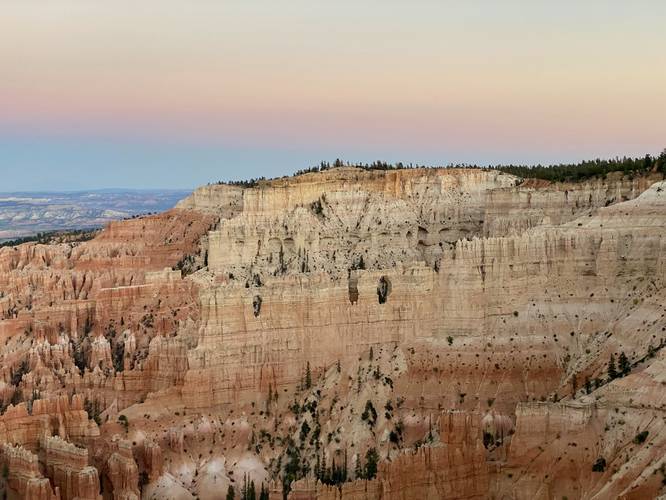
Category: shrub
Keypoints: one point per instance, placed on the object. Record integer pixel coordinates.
(369, 414)
(641, 437)
(256, 305)
(17, 376)
(119, 356)
(122, 420)
(305, 430)
(612, 371)
(624, 364)
(371, 460)
(383, 289)
(599, 465)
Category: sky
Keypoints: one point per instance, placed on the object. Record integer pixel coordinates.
(175, 94)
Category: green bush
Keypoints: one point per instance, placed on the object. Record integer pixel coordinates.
(599, 465)
(641, 437)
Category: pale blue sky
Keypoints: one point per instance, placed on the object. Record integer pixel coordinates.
(174, 94)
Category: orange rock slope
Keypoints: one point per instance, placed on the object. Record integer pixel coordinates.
(347, 334)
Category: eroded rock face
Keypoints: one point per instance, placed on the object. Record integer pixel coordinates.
(67, 467)
(346, 334)
(23, 474)
(123, 472)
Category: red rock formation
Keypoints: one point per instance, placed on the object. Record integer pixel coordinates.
(123, 472)
(67, 467)
(418, 312)
(153, 460)
(23, 475)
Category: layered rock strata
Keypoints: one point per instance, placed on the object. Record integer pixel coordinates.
(455, 324)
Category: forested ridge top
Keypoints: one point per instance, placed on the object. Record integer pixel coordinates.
(561, 172)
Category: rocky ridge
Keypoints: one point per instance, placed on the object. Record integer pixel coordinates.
(424, 333)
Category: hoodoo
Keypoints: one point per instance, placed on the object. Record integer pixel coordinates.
(346, 334)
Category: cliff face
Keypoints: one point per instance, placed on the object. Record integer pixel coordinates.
(451, 329)
(23, 474)
(510, 211)
(328, 222)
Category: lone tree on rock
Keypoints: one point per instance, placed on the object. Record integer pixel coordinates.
(371, 460)
(624, 364)
(358, 470)
(308, 376)
(612, 372)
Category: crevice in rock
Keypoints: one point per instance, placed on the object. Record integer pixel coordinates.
(256, 305)
(353, 289)
(383, 289)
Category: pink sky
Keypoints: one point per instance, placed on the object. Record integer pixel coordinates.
(458, 78)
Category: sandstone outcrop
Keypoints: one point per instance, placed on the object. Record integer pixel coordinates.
(23, 474)
(123, 472)
(348, 334)
(67, 466)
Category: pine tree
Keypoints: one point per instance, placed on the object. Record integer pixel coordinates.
(344, 470)
(326, 479)
(431, 438)
(371, 355)
(244, 488)
(358, 470)
(371, 460)
(624, 365)
(661, 162)
(248, 492)
(308, 376)
(334, 473)
(231, 494)
(270, 399)
(612, 372)
(588, 385)
(647, 162)
(263, 494)
(317, 469)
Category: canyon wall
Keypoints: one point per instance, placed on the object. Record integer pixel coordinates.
(453, 326)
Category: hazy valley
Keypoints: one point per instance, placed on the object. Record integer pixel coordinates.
(25, 214)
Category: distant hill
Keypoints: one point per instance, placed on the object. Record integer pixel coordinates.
(28, 213)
